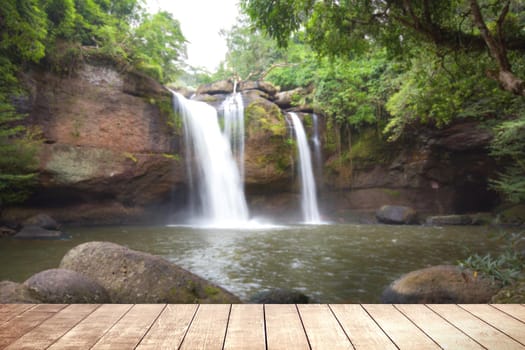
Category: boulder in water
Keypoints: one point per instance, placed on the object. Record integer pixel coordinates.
(279, 296)
(440, 284)
(42, 220)
(396, 214)
(449, 220)
(66, 287)
(131, 276)
(35, 232)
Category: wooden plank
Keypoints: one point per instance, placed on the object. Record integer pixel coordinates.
(169, 329)
(399, 328)
(53, 328)
(8, 311)
(478, 330)
(443, 333)
(284, 329)
(92, 328)
(362, 330)
(322, 328)
(131, 328)
(499, 320)
(23, 323)
(208, 328)
(515, 310)
(245, 328)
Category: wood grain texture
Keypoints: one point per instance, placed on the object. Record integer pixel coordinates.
(322, 328)
(53, 328)
(499, 320)
(130, 329)
(208, 329)
(515, 310)
(478, 330)
(21, 324)
(437, 328)
(362, 330)
(245, 328)
(169, 329)
(85, 334)
(404, 333)
(284, 329)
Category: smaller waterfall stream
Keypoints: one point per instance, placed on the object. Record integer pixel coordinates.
(308, 190)
(216, 178)
(233, 109)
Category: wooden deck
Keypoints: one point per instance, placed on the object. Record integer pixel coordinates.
(317, 326)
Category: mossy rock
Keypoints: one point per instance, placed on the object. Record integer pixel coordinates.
(514, 215)
(512, 294)
(131, 276)
(265, 117)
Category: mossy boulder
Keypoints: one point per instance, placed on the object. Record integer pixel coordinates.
(440, 284)
(16, 293)
(396, 214)
(511, 294)
(60, 286)
(131, 276)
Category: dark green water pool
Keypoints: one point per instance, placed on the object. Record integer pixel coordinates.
(330, 263)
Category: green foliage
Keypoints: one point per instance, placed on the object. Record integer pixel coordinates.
(509, 144)
(504, 268)
(159, 44)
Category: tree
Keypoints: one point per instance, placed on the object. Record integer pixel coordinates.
(349, 26)
(23, 31)
(159, 45)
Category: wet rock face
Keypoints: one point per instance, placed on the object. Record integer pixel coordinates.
(130, 276)
(440, 284)
(109, 138)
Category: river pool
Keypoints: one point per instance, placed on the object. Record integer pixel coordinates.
(329, 263)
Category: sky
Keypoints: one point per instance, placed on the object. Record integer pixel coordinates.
(201, 21)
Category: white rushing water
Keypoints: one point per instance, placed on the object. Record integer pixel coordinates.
(308, 190)
(212, 171)
(233, 109)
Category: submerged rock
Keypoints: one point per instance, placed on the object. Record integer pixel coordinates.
(449, 220)
(35, 232)
(16, 293)
(279, 296)
(42, 220)
(131, 276)
(66, 287)
(440, 284)
(396, 214)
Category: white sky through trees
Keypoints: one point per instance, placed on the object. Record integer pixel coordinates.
(201, 21)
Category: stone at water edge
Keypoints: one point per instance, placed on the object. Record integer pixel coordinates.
(60, 286)
(16, 293)
(440, 284)
(396, 214)
(131, 276)
(279, 296)
(42, 220)
(35, 232)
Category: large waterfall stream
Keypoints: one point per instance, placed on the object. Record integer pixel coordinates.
(211, 167)
(308, 190)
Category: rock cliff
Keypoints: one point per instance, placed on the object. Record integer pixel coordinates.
(109, 151)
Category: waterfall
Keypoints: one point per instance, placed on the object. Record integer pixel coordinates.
(317, 148)
(212, 171)
(308, 192)
(233, 110)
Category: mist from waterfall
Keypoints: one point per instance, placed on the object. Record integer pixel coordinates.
(308, 190)
(212, 170)
(233, 112)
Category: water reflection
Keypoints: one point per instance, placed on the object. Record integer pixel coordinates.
(330, 263)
